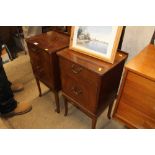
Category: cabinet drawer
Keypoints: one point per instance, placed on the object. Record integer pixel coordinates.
(134, 117)
(34, 54)
(77, 71)
(33, 51)
(139, 93)
(82, 92)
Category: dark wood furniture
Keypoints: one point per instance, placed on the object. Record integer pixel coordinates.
(46, 29)
(90, 84)
(42, 51)
(153, 38)
(68, 29)
(136, 102)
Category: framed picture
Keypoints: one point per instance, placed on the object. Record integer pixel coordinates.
(97, 41)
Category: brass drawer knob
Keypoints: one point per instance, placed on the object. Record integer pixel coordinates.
(76, 69)
(76, 91)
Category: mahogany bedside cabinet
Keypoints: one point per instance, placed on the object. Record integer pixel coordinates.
(136, 102)
(88, 83)
(42, 50)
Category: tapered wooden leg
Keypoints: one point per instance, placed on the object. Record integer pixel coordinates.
(109, 111)
(39, 88)
(56, 95)
(66, 106)
(94, 120)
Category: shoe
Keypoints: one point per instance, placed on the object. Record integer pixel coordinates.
(16, 87)
(22, 108)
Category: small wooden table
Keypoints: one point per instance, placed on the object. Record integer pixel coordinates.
(90, 84)
(42, 50)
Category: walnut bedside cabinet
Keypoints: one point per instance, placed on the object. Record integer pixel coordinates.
(42, 50)
(88, 83)
(136, 102)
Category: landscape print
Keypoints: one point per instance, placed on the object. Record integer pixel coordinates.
(95, 38)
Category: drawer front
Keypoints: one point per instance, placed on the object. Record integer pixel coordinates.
(82, 92)
(133, 117)
(41, 65)
(139, 93)
(77, 71)
(34, 54)
(35, 59)
(33, 50)
(45, 72)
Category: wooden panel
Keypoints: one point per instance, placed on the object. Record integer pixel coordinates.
(139, 93)
(109, 85)
(133, 118)
(81, 91)
(45, 71)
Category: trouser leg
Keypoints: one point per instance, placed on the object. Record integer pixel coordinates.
(7, 101)
(11, 45)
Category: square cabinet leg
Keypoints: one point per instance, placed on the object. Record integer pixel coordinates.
(56, 95)
(94, 121)
(110, 110)
(39, 88)
(66, 106)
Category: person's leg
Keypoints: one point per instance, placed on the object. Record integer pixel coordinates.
(15, 87)
(7, 101)
(8, 105)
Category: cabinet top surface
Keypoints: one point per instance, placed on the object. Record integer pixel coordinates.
(144, 62)
(51, 41)
(98, 66)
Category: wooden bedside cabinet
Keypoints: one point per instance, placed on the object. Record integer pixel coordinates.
(42, 50)
(90, 84)
(136, 102)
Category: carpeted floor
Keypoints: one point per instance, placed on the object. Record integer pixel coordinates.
(43, 115)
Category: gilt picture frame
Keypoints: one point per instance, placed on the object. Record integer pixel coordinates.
(97, 41)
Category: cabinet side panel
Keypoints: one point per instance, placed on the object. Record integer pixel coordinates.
(109, 85)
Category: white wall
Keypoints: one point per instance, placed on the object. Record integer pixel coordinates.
(136, 38)
(30, 31)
